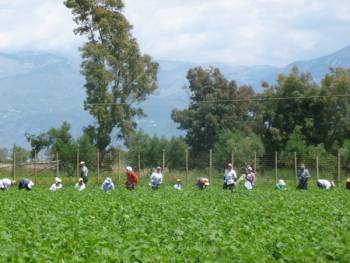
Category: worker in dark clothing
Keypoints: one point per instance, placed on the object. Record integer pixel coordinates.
(303, 176)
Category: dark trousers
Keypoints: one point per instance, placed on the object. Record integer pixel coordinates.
(303, 184)
(229, 186)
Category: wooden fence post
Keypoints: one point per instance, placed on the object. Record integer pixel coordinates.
(276, 166)
(296, 168)
(232, 158)
(139, 163)
(317, 167)
(339, 168)
(13, 164)
(78, 164)
(98, 167)
(255, 162)
(119, 168)
(186, 160)
(35, 169)
(210, 165)
(57, 166)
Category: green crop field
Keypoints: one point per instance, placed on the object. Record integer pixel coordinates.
(167, 226)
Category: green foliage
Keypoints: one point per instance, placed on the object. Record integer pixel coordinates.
(4, 155)
(151, 150)
(22, 155)
(166, 226)
(118, 77)
(242, 145)
(211, 109)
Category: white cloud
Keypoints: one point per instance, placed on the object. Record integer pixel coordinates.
(232, 31)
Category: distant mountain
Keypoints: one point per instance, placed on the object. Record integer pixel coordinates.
(40, 90)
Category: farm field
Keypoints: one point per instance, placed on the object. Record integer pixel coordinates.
(167, 226)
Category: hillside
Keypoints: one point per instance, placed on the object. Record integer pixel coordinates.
(40, 90)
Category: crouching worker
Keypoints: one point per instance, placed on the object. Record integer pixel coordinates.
(304, 176)
(57, 185)
(178, 185)
(347, 186)
(230, 178)
(80, 185)
(202, 183)
(25, 184)
(156, 178)
(107, 185)
(131, 179)
(6, 184)
(325, 184)
(281, 185)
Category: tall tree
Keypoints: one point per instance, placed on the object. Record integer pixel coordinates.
(215, 105)
(118, 77)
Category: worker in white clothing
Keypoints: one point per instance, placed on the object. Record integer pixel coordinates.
(107, 185)
(178, 185)
(325, 184)
(6, 184)
(80, 186)
(230, 177)
(156, 178)
(57, 185)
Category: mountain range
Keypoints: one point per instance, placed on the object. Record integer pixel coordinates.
(40, 90)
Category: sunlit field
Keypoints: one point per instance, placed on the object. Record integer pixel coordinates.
(213, 225)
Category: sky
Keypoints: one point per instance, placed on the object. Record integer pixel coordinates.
(237, 32)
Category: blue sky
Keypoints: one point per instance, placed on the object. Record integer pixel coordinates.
(240, 32)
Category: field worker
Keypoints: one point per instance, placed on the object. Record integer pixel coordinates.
(281, 185)
(80, 185)
(57, 185)
(202, 183)
(347, 185)
(6, 183)
(303, 176)
(156, 178)
(25, 184)
(107, 185)
(230, 177)
(131, 179)
(178, 185)
(325, 184)
(84, 171)
(250, 178)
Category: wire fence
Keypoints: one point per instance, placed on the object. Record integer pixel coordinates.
(270, 166)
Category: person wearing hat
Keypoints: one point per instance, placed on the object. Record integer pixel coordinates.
(178, 185)
(202, 183)
(6, 184)
(325, 184)
(107, 185)
(156, 178)
(131, 179)
(250, 178)
(80, 185)
(84, 171)
(25, 184)
(57, 185)
(303, 176)
(281, 185)
(230, 177)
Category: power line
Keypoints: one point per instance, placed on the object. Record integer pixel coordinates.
(204, 101)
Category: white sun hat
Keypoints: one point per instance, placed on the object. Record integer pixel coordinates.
(129, 169)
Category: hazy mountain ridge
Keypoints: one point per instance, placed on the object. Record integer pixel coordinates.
(41, 90)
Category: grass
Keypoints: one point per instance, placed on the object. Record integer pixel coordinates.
(167, 226)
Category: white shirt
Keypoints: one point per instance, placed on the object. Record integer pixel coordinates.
(80, 187)
(56, 187)
(230, 176)
(156, 178)
(325, 184)
(178, 186)
(5, 183)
